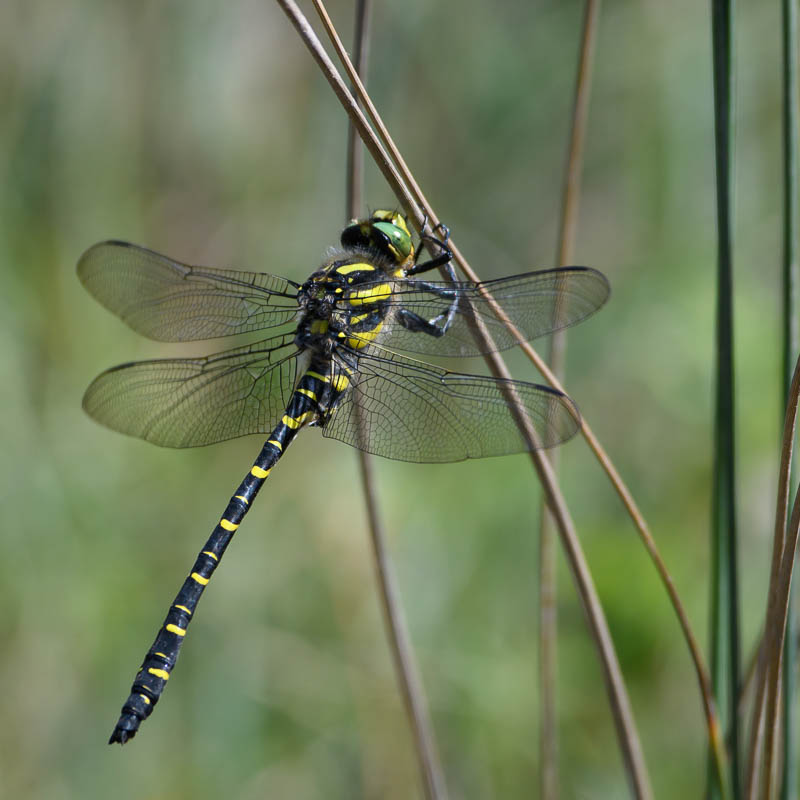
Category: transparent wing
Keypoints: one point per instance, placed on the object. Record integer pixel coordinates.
(187, 402)
(536, 302)
(409, 411)
(173, 302)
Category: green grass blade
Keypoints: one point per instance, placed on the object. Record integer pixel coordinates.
(790, 349)
(724, 629)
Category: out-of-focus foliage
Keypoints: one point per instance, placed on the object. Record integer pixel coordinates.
(203, 130)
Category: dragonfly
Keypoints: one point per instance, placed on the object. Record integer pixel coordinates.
(336, 360)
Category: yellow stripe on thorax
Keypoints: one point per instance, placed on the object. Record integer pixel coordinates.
(363, 338)
(346, 269)
(373, 294)
(340, 382)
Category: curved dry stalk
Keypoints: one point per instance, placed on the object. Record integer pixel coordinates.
(749, 676)
(355, 153)
(548, 659)
(778, 549)
(580, 112)
(765, 704)
(715, 735)
(548, 627)
(409, 197)
(629, 741)
(408, 675)
(620, 706)
(356, 115)
(612, 673)
(402, 652)
(772, 713)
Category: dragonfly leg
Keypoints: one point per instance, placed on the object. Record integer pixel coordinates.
(438, 325)
(441, 231)
(414, 322)
(444, 256)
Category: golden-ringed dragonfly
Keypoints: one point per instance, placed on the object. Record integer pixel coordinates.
(335, 366)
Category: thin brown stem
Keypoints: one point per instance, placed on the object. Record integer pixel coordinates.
(580, 112)
(402, 652)
(629, 741)
(612, 673)
(348, 101)
(712, 719)
(548, 627)
(750, 675)
(548, 659)
(355, 152)
(766, 706)
(408, 675)
(772, 716)
(409, 204)
(778, 549)
(412, 196)
(628, 737)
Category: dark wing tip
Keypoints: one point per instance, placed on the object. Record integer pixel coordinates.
(601, 278)
(571, 421)
(562, 420)
(88, 255)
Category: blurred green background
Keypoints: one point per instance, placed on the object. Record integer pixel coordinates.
(204, 130)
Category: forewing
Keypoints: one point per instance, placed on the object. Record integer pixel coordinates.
(173, 302)
(187, 402)
(537, 303)
(409, 411)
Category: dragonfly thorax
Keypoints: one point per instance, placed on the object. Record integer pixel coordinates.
(344, 302)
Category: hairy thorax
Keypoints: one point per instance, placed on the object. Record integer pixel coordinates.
(345, 302)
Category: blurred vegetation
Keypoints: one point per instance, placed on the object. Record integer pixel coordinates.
(204, 131)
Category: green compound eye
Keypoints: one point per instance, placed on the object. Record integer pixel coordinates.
(385, 231)
(400, 239)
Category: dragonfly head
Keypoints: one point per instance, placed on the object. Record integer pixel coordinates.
(386, 232)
